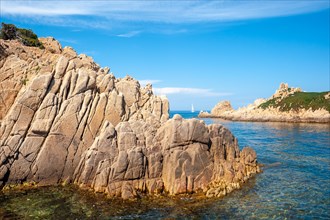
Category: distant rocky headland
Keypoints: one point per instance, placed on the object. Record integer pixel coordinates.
(286, 105)
(66, 120)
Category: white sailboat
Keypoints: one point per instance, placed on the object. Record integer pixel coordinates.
(192, 108)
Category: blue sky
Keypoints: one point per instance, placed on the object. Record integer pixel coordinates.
(195, 52)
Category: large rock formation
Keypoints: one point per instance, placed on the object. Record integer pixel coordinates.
(279, 107)
(284, 91)
(182, 156)
(65, 119)
(221, 107)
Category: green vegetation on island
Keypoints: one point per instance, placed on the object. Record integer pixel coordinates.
(299, 100)
(27, 37)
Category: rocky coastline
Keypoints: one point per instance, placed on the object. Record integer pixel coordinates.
(256, 113)
(64, 119)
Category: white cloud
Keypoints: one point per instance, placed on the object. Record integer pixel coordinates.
(162, 11)
(188, 91)
(129, 34)
(144, 82)
(47, 8)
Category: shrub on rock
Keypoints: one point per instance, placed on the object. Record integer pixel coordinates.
(27, 37)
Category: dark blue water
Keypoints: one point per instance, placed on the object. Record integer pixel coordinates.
(295, 184)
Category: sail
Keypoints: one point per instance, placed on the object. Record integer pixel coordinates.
(192, 108)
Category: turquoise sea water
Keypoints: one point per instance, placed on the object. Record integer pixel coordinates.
(295, 184)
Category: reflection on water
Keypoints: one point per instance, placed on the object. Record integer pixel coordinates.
(295, 184)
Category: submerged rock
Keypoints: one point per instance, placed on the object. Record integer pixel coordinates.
(72, 121)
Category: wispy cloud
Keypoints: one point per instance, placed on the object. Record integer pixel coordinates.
(182, 90)
(179, 12)
(144, 82)
(43, 8)
(129, 34)
(188, 91)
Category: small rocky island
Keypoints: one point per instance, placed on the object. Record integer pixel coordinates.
(288, 104)
(66, 120)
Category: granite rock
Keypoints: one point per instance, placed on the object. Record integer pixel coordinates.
(253, 112)
(64, 119)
